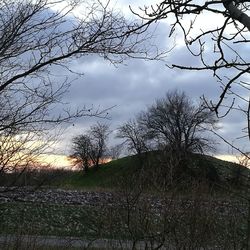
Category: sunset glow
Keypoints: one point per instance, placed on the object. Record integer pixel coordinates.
(62, 161)
(57, 161)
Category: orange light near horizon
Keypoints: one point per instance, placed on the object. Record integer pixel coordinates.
(62, 161)
(106, 160)
(57, 161)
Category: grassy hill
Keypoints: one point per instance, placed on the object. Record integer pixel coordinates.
(112, 174)
(150, 171)
(104, 177)
(193, 217)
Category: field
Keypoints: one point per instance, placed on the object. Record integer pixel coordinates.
(116, 205)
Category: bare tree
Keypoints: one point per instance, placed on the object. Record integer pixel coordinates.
(89, 149)
(134, 136)
(99, 135)
(177, 124)
(39, 38)
(115, 151)
(218, 45)
(81, 147)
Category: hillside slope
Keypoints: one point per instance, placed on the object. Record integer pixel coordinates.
(130, 168)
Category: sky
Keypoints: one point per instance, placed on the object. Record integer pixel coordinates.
(134, 85)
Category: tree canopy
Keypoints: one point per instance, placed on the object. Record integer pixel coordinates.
(89, 148)
(178, 124)
(173, 123)
(216, 33)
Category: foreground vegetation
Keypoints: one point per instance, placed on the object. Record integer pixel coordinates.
(177, 222)
(192, 213)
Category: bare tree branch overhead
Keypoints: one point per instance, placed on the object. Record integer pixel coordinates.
(217, 34)
(38, 39)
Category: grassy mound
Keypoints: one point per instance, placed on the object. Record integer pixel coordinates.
(104, 177)
(197, 167)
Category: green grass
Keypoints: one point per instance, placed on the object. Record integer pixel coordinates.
(187, 221)
(32, 245)
(44, 219)
(111, 222)
(109, 175)
(88, 222)
(105, 177)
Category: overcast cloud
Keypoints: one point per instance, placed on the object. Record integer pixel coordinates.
(132, 86)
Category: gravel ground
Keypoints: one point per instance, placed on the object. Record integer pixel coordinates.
(91, 198)
(223, 207)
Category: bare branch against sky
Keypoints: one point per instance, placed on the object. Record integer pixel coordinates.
(39, 38)
(216, 33)
(43, 44)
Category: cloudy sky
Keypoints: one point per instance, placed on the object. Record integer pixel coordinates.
(132, 86)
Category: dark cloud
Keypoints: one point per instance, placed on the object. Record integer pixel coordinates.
(132, 86)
